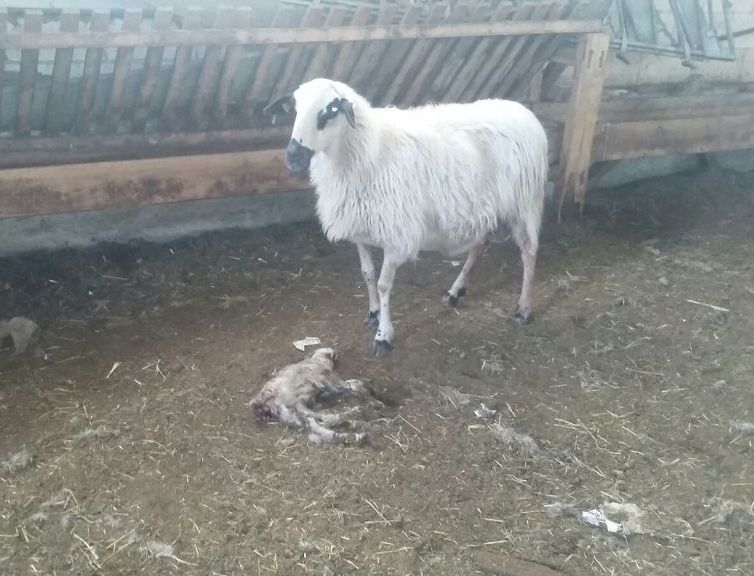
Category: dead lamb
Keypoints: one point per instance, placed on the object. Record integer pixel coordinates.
(294, 395)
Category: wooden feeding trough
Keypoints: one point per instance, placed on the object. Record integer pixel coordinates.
(103, 109)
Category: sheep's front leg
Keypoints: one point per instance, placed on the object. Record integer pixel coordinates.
(370, 278)
(458, 289)
(383, 340)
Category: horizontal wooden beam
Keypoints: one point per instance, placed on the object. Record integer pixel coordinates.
(622, 140)
(42, 151)
(84, 187)
(211, 37)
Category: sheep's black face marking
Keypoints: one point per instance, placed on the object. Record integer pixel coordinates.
(298, 157)
(337, 106)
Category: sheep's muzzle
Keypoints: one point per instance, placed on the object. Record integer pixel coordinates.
(298, 157)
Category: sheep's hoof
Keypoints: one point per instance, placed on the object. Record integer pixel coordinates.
(450, 300)
(381, 348)
(520, 318)
(373, 320)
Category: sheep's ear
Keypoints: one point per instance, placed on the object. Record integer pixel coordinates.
(283, 105)
(347, 109)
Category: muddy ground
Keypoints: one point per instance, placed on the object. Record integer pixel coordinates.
(126, 445)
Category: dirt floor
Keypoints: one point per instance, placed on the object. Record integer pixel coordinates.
(126, 445)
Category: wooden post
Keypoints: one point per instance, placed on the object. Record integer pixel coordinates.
(583, 108)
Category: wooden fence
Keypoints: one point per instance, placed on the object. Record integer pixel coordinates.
(89, 100)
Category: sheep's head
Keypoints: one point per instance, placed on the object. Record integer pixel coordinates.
(324, 109)
(325, 357)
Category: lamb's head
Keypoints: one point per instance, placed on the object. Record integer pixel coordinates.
(325, 110)
(325, 357)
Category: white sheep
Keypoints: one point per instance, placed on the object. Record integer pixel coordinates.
(432, 178)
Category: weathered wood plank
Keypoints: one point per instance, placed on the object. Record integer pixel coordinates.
(458, 55)
(178, 94)
(434, 57)
(348, 54)
(294, 35)
(367, 63)
(131, 22)
(28, 75)
(318, 65)
(392, 59)
(621, 140)
(233, 56)
(82, 187)
(418, 51)
(475, 60)
(151, 72)
(495, 55)
(575, 153)
(262, 80)
(61, 71)
(209, 73)
(530, 58)
(288, 78)
(3, 29)
(515, 51)
(92, 64)
(49, 151)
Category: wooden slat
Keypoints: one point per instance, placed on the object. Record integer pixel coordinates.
(458, 56)
(291, 73)
(414, 57)
(50, 151)
(373, 55)
(495, 55)
(261, 82)
(515, 51)
(435, 57)
(538, 51)
(348, 54)
(476, 59)
(131, 22)
(92, 64)
(583, 108)
(391, 59)
(3, 29)
(61, 70)
(318, 65)
(151, 72)
(82, 187)
(233, 55)
(28, 75)
(209, 73)
(294, 35)
(621, 140)
(177, 94)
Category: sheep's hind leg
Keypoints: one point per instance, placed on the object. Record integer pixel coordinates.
(458, 289)
(319, 434)
(383, 340)
(527, 242)
(369, 275)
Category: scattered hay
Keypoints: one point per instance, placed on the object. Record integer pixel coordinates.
(102, 432)
(17, 462)
(524, 445)
(741, 427)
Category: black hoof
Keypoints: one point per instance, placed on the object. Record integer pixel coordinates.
(450, 300)
(381, 348)
(373, 320)
(520, 318)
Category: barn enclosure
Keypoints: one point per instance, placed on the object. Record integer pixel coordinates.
(126, 442)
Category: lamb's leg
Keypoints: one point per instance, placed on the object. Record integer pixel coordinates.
(383, 340)
(322, 434)
(527, 242)
(370, 278)
(458, 289)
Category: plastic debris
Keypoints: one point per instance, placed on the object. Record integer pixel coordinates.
(307, 341)
(484, 412)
